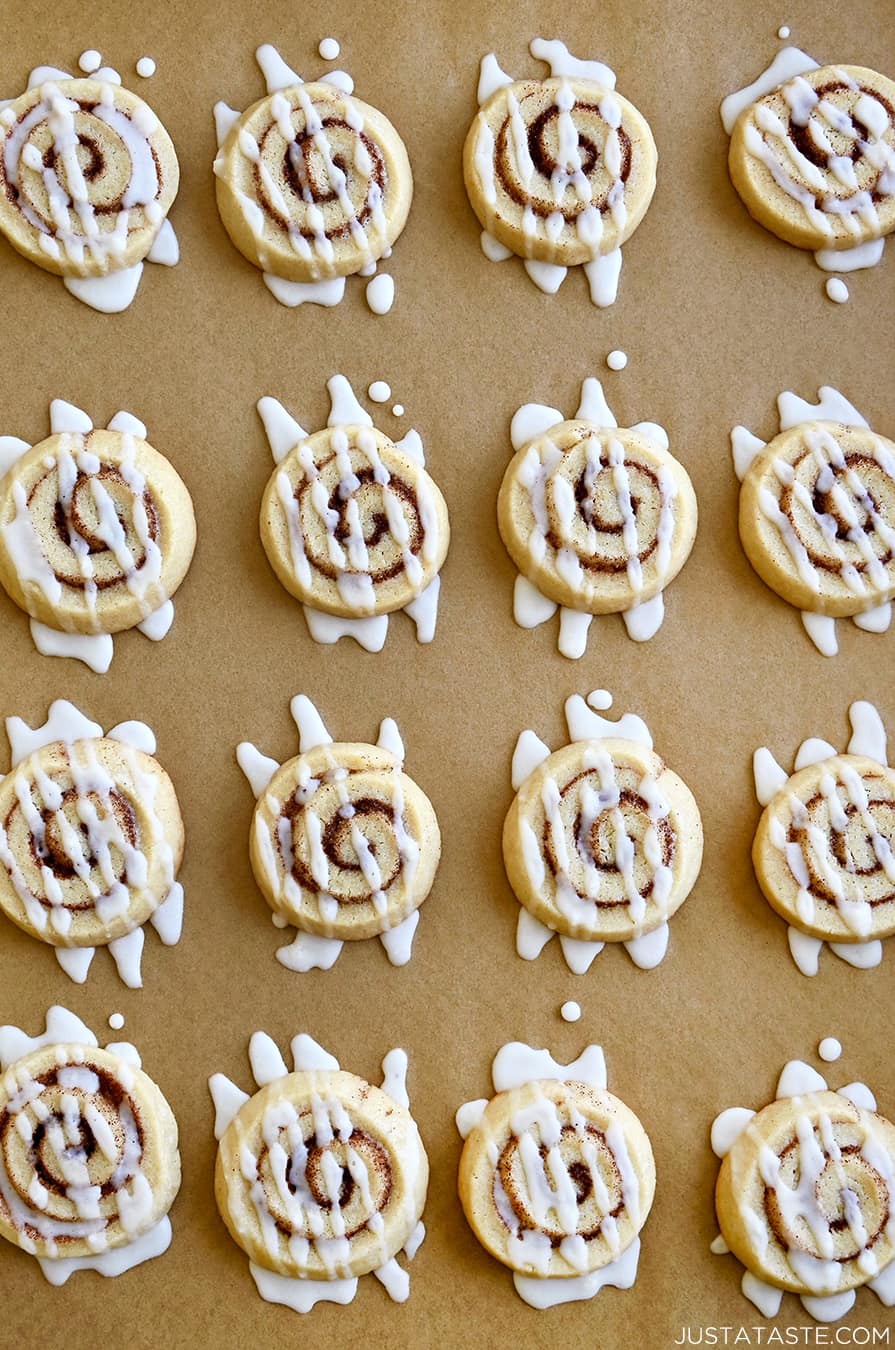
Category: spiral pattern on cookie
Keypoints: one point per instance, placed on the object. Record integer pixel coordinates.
(806, 1195)
(343, 843)
(88, 1152)
(321, 1175)
(597, 520)
(814, 160)
(556, 1179)
(824, 851)
(91, 839)
(351, 525)
(817, 517)
(603, 842)
(96, 531)
(560, 170)
(313, 183)
(87, 176)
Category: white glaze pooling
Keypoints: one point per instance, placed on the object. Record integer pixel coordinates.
(542, 476)
(284, 434)
(38, 795)
(868, 738)
(797, 1200)
(119, 1141)
(308, 1056)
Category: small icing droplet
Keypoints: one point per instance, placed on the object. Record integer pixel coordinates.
(570, 1011)
(379, 391)
(617, 360)
(829, 1049)
(398, 410)
(90, 61)
(329, 48)
(381, 293)
(145, 67)
(783, 31)
(836, 290)
(116, 1021)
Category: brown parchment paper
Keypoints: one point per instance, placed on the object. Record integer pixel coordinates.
(717, 317)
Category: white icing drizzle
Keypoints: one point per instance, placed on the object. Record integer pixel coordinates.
(570, 1011)
(786, 65)
(327, 293)
(145, 67)
(309, 952)
(116, 1262)
(617, 360)
(836, 290)
(618, 1274)
(380, 293)
(728, 1127)
(67, 724)
(585, 724)
(493, 249)
(850, 259)
(561, 62)
(829, 1049)
(258, 768)
(517, 1063)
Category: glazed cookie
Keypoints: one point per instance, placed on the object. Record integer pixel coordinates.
(352, 523)
(817, 517)
(805, 1193)
(91, 837)
(87, 176)
(559, 170)
(96, 531)
(88, 1155)
(321, 1177)
(312, 183)
(556, 1179)
(597, 519)
(344, 845)
(814, 159)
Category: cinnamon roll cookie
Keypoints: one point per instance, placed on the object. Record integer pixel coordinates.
(313, 185)
(812, 152)
(603, 842)
(89, 1164)
(805, 1196)
(598, 519)
(560, 171)
(97, 532)
(344, 845)
(352, 524)
(817, 514)
(321, 1177)
(556, 1176)
(87, 178)
(824, 850)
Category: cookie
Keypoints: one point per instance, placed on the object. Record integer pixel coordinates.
(351, 525)
(603, 841)
(87, 176)
(556, 1178)
(817, 517)
(88, 1152)
(91, 840)
(598, 519)
(814, 159)
(312, 183)
(559, 170)
(805, 1194)
(321, 1176)
(96, 531)
(823, 850)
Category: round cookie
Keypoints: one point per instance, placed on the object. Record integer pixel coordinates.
(321, 1176)
(603, 842)
(91, 840)
(814, 160)
(781, 1194)
(313, 183)
(598, 520)
(559, 170)
(343, 843)
(88, 1152)
(823, 850)
(817, 517)
(87, 176)
(351, 525)
(97, 531)
(556, 1179)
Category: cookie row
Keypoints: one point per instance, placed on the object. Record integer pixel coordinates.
(314, 185)
(321, 1177)
(602, 843)
(97, 529)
